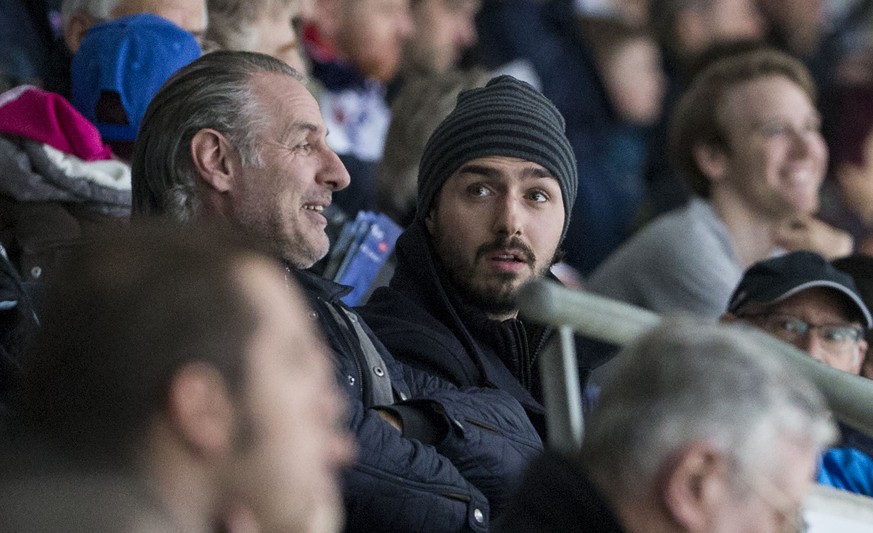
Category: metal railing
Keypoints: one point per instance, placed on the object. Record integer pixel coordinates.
(849, 397)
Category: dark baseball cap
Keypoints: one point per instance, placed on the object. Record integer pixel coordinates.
(773, 280)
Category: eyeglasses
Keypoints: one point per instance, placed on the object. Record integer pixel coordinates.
(791, 329)
(789, 515)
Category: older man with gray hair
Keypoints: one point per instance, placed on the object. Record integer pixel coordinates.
(700, 429)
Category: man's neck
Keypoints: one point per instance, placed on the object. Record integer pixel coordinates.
(182, 485)
(751, 233)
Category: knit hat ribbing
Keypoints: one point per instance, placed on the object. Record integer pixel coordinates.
(507, 117)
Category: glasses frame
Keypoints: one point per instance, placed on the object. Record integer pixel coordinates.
(808, 327)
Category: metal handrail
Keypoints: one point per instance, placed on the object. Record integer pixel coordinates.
(849, 397)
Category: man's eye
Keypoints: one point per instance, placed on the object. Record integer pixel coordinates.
(477, 190)
(538, 196)
(772, 130)
(304, 148)
(794, 326)
(834, 335)
(839, 333)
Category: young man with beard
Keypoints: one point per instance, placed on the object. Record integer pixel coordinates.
(237, 136)
(496, 185)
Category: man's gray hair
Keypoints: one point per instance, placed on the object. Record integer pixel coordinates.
(212, 92)
(691, 381)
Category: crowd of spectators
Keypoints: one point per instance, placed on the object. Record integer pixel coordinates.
(709, 158)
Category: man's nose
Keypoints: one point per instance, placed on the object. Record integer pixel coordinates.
(333, 172)
(508, 218)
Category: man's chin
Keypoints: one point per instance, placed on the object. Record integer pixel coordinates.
(493, 298)
(304, 257)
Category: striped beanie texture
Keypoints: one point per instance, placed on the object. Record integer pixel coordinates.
(507, 117)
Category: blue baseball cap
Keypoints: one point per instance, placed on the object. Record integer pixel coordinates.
(120, 66)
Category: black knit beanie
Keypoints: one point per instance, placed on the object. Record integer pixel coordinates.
(507, 117)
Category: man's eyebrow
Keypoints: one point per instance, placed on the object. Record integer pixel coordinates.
(537, 172)
(295, 128)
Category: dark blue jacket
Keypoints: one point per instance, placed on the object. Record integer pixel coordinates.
(462, 451)
(557, 496)
(426, 324)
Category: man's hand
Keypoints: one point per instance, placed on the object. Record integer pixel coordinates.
(809, 233)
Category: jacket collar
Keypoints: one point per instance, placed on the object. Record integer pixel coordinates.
(316, 285)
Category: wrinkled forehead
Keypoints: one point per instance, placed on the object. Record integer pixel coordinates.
(285, 99)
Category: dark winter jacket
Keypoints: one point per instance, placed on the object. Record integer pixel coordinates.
(425, 323)
(461, 453)
(556, 496)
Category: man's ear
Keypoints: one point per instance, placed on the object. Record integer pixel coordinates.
(711, 160)
(200, 410)
(694, 486)
(860, 355)
(75, 30)
(214, 159)
(867, 365)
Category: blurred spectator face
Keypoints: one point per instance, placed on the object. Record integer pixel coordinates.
(633, 11)
(372, 35)
(705, 23)
(856, 182)
(800, 22)
(274, 34)
(444, 29)
(497, 224)
(187, 14)
(735, 20)
(817, 306)
(282, 200)
(774, 156)
(293, 441)
(636, 82)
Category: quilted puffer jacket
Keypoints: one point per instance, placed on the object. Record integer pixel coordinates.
(462, 451)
